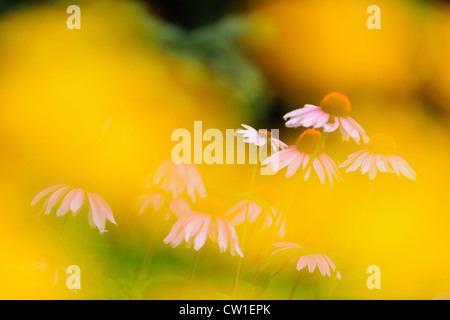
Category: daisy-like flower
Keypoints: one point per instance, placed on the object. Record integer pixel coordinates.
(334, 107)
(238, 211)
(261, 137)
(176, 178)
(380, 155)
(320, 260)
(156, 201)
(195, 227)
(299, 155)
(73, 199)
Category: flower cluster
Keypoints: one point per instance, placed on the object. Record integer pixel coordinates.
(178, 188)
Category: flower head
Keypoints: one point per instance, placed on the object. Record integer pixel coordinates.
(73, 199)
(195, 226)
(333, 106)
(261, 137)
(154, 200)
(273, 219)
(320, 260)
(160, 202)
(299, 155)
(176, 178)
(380, 155)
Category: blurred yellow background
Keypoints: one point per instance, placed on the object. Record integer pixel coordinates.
(104, 100)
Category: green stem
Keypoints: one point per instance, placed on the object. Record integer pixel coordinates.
(279, 270)
(60, 235)
(244, 231)
(297, 281)
(191, 273)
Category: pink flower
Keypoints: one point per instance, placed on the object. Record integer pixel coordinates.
(176, 178)
(157, 202)
(238, 211)
(299, 155)
(73, 199)
(195, 227)
(334, 106)
(321, 260)
(379, 156)
(261, 137)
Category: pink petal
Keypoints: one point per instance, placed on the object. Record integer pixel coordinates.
(319, 170)
(222, 235)
(44, 192)
(55, 197)
(200, 239)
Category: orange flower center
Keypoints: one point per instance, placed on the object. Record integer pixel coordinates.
(211, 206)
(336, 104)
(308, 140)
(382, 143)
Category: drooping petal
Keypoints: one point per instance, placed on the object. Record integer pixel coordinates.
(373, 168)
(358, 162)
(65, 204)
(200, 239)
(104, 206)
(312, 263)
(193, 227)
(234, 239)
(351, 158)
(45, 192)
(319, 170)
(323, 265)
(77, 201)
(307, 174)
(302, 262)
(161, 171)
(55, 198)
(405, 169)
(294, 165)
(97, 214)
(367, 163)
(222, 235)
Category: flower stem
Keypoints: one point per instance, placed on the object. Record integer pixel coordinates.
(279, 270)
(244, 231)
(61, 234)
(191, 273)
(297, 281)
